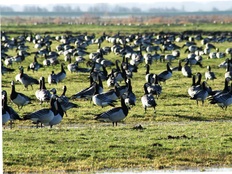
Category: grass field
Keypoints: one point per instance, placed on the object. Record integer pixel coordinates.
(181, 134)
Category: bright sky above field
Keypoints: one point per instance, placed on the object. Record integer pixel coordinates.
(23, 2)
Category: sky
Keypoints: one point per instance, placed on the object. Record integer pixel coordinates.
(188, 5)
(23, 2)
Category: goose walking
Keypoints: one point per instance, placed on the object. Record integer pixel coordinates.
(114, 115)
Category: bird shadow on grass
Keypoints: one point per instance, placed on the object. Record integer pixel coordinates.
(191, 118)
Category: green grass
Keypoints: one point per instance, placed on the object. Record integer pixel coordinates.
(161, 145)
(180, 134)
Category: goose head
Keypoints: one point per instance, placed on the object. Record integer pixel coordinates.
(53, 90)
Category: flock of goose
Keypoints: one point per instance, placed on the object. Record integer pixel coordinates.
(135, 49)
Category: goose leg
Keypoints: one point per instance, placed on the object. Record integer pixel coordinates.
(145, 109)
(11, 122)
(37, 124)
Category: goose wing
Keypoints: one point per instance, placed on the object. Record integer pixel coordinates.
(114, 115)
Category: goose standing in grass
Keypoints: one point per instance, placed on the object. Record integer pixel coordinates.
(130, 97)
(5, 113)
(147, 99)
(148, 76)
(114, 115)
(223, 100)
(72, 67)
(193, 88)
(63, 100)
(42, 94)
(58, 114)
(201, 94)
(209, 75)
(228, 51)
(111, 80)
(216, 93)
(18, 58)
(186, 70)
(112, 94)
(165, 75)
(25, 79)
(5, 70)
(43, 116)
(88, 92)
(121, 89)
(178, 67)
(62, 74)
(196, 85)
(118, 73)
(102, 99)
(52, 78)
(228, 73)
(35, 65)
(13, 115)
(18, 98)
(154, 88)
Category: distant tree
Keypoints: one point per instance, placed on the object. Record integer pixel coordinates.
(120, 9)
(61, 8)
(215, 9)
(34, 9)
(76, 9)
(6, 9)
(100, 7)
(135, 9)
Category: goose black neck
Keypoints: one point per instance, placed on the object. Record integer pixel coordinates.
(64, 90)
